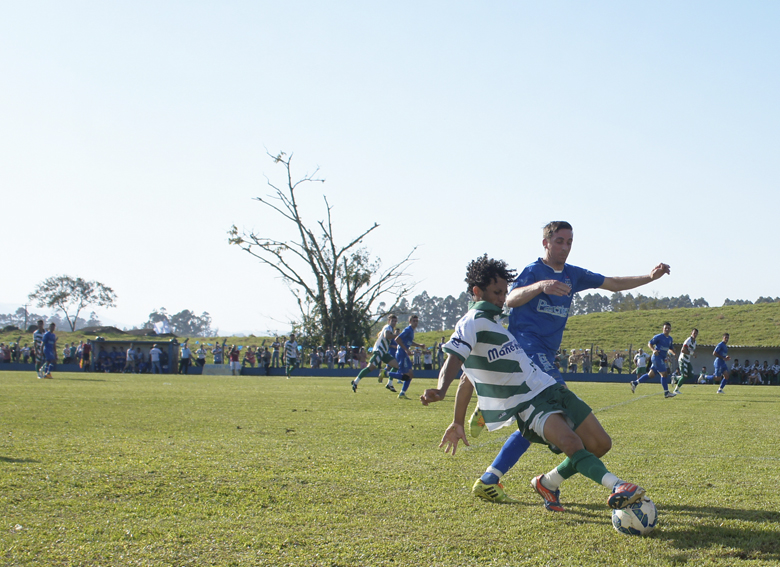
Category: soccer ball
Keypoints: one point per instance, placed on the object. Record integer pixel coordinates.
(637, 519)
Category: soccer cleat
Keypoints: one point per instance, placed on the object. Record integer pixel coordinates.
(491, 492)
(669, 394)
(390, 387)
(383, 374)
(624, 494)
(720, 391)
(677, 390)
(476, 422)
(48, 376)
(633, 386)
(552, 499)
(402, 396)
(354, 386)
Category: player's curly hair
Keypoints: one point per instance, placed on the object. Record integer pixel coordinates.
(483, 271)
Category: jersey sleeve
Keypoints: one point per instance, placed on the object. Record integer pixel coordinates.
(462, 340)
(584, 279)
(526, 277)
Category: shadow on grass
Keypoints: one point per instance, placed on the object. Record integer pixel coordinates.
(81, 379)
(748, 542)
(12, 460)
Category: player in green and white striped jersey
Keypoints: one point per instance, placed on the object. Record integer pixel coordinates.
(381, 353)
(511, 388)
(687, 351)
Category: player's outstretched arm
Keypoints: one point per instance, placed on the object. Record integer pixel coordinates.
(456, 431)
(447, 374)
(630, 282)
(522, 295)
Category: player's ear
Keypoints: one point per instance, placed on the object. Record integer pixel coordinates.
(476, 292)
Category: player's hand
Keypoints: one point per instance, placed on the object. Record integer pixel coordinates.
(659, 271)
(452, 435)
(554, 287)
(431, 395)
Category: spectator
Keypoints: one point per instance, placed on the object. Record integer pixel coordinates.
(737, 371)
(218, 352)
(766, 373)
(775, 370)
(703, 377)
(314, 359)
(129, 359)
(235, 365)
(573, 361)
(140, 361)
(603, 362)
(276, 345)
(86, 350)
(267, 361)
(617, 363)
(417, 359)
(154, 359)
(440, 352)
(249, 357)
(185, 359)
(586, 362)
(201, 356)
(746, 368)
(330, 357)
(754, 376)
(361, 358)
(342, 357)
(25, 353)
(428, 359)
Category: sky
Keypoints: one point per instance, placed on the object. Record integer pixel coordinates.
(135, 134)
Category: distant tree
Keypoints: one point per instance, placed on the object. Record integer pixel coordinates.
(737, 302)
(336, 286)
(767, 300)
(70, 295)
(183, 323)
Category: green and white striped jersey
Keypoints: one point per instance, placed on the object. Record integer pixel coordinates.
(502, 374)
(382, 344)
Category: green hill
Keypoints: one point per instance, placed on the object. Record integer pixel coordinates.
(748, 325)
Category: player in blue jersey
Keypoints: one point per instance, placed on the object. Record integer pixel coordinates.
(49, 352)
(661, 345)
(721, 354)
(405, 340)
(540, 301)
(38, 348)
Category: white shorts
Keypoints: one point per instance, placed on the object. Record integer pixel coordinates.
(235, 365)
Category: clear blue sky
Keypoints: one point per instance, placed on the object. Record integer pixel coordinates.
(134, 135)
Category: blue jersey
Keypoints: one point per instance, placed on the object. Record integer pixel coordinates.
(722, 349)
(407, 337)
(538, 325)
(49, 345)
(662, 344)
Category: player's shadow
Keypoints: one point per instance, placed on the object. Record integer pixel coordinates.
(758, 536)
(13, 460)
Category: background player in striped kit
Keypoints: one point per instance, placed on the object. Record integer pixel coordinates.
(687, 351)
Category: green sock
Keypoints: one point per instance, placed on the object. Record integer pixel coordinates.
(567, 469)
(362, 373)
(589, 465)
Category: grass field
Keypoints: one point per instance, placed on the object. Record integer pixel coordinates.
(142, 470)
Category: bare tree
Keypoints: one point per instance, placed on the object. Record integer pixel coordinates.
(335, 286)
(68, 294)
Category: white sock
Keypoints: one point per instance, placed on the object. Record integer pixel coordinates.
(356, 380)
(610, 480)
(552, 480)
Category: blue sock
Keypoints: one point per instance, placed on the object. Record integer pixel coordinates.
(406, 385)
(395, 374)
(722, 383)
(665, 383)
(507, 457)
(642, 378)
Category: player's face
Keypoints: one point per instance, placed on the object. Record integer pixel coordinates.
(725, 338)
(667, 329)
(494, 293)
(556, 251)
(694, 334)
(414, 321)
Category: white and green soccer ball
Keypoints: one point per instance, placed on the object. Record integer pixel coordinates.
(637, 519)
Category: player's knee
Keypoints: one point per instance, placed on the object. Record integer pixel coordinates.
(601, 445)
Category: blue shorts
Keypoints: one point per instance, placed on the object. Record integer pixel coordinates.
(720, 368)
(404, 362)
(545, 362)
(658, 364)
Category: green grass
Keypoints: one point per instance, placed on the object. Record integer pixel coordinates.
(140, 470)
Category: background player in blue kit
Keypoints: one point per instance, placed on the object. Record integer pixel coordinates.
(721, 354)
(49, 351)
(405, 340)
(661, 344)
